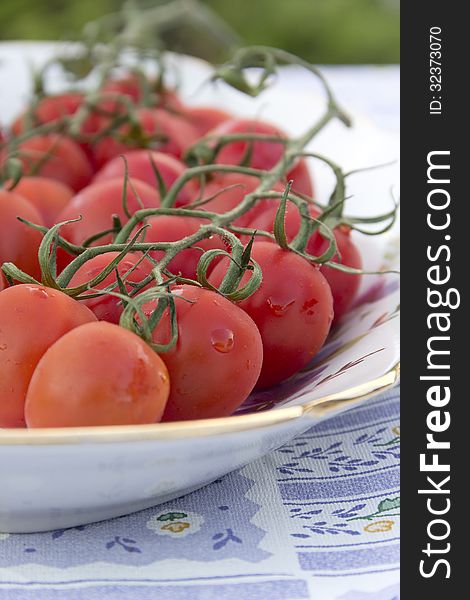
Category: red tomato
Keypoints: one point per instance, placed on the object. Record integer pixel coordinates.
(173, 228)
(19, 243)
(265, 215)
(264, 155)
(139, 166)
(3, 283)
(32, 318)
(80, 382)
(293, 309)
(231, 189)
(205, 118)
(107, 307)
(50, 109)
(217, 358)
(131, 86)
(127, 86)
(57, 157)
(97, 204)
(344, 286)
(49, 196)
(177, 134)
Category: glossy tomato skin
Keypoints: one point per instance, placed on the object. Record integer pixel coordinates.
(229, 190)
(98, 202)
(50, 109)
(139, 166)
(97, 374)
(32, 318)
(263, 155)
(19, 243)
(217, 359)
(49, 196)
(107, 307)
(205, 118)
(344, 286)
(57, 157)
(177, 135)
(169, 228)
(293, 310)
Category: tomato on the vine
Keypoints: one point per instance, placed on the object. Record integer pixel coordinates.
(259, 154)
(19, 243)
(49, 196)
(170, 228)
(293, 309)
(58, 157)
(32, 318)
(217, 358)
(140, 165)
(205, 118)
(166, 132)
(49, 110)
(97, 374)
(344, 286)
(107, 307)
(97, 204)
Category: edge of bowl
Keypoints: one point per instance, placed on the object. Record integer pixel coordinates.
(314, 409)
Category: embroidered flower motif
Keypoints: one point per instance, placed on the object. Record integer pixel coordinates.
(4, 536)
(176, 524)
(379, 526)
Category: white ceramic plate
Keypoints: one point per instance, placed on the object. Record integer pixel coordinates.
(57, 478)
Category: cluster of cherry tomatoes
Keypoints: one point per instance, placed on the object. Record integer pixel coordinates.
(65, 360)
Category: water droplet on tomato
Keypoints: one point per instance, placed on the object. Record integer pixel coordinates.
(222, 340)
(277, 307)
(309, 305)
(40, 293)
(3, 346)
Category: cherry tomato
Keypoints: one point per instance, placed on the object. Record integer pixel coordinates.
(32, 318)
(50, 109)
(49, 196)
(217, 358)
(262, 155)
(176, 135)
(130, 85)
(139, 166)
(205, 118)
(163, 228)
(19, 243)
(97, 204)
(344, 286)
(264, 215)
(80, 382)
(229, 189)
(293, 309)
(57, 157)
(107, 307)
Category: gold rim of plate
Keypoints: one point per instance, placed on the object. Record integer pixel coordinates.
(318, 408)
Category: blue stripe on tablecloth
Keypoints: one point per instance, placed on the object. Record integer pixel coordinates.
(349, 560)
(349, 487)
(387, 541)
(323, 502)
(274, 590)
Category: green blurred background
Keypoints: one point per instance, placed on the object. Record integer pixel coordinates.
(322, 31)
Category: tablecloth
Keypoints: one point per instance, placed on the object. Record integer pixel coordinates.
(317, 519)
